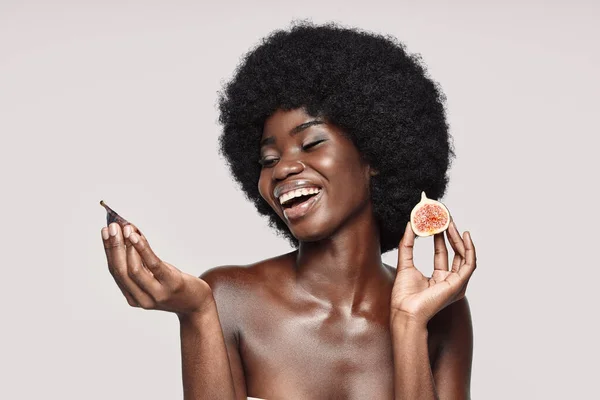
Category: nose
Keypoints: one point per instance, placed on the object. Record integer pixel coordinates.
(287, 167)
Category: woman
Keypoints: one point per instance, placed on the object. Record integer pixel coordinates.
(348, 130)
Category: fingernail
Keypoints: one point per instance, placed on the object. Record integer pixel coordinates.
(112, 228)
(104, 233)
(127, 231)
(133, 238)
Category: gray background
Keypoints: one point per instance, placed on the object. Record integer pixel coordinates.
(117, 101)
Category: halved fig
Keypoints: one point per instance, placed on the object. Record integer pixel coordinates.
(429, 217)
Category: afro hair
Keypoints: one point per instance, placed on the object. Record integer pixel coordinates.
(366, 84)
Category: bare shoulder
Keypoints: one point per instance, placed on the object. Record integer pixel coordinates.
(454, 319)
(224, 276)
(235, 285)
(244, 276)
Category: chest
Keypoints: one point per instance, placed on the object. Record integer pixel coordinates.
(317, 355)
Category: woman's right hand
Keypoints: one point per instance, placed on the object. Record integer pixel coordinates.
(148, 282)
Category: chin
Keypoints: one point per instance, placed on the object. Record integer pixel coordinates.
(310, 237)
(311, 231)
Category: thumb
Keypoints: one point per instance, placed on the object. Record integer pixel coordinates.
(405, 249)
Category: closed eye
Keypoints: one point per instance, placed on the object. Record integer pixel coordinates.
(313, 144)
(266, 162)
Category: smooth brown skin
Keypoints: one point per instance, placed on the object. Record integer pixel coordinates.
(315, 323)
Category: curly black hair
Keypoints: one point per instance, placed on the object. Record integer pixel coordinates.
(365, 83)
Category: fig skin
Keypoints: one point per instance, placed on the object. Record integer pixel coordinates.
(112, 216)
(440, 207)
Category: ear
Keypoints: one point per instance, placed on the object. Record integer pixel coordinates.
(370, 172)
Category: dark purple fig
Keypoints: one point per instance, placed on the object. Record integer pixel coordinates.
(112, 216)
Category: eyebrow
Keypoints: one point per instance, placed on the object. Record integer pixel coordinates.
(270, 140)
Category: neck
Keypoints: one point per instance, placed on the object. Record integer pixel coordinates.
(345, 270)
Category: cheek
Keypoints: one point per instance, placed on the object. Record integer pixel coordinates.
(341, 168)
(331, 161)
(327, 163)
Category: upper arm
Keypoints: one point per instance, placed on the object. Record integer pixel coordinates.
(452, 365)
(218, 279)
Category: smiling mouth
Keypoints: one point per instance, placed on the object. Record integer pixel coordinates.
(299, 207)
(296, 201)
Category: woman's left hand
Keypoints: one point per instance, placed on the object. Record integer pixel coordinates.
(417, 298)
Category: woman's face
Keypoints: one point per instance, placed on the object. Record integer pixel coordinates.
(307, 152)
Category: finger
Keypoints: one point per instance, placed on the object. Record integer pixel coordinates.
(466, 270)
(457, 245)
(150, 260)
(136, 229)
(130, 300)
(440, 256)
(116, 253)
(131, 252)
(405, 249)
(128, 243)
(137, 271)
(473, 246)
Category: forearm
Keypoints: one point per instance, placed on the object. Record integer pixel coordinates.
(413, 378)
(205, 364)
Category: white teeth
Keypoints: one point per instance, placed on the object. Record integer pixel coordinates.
(297, 193)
